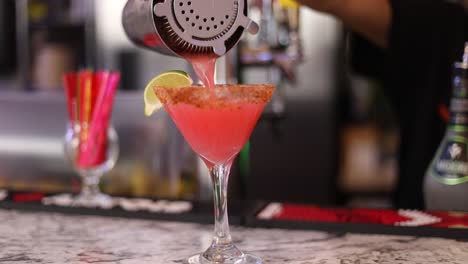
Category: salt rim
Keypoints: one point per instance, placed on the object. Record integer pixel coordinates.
(220, 97)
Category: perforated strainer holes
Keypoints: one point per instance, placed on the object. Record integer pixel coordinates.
(202, 23)
(200, 26)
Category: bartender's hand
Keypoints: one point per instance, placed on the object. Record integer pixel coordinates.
(371, 18)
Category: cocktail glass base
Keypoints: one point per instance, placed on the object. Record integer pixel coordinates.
(97, 200)
(245, 259)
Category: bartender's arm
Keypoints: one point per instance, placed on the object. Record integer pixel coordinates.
(401, 25)
(371, 18)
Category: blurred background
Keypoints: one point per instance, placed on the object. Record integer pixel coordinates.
(328, 137)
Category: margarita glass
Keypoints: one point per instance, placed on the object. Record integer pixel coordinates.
(217, 123)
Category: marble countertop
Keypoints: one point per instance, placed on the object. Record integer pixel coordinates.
(54, 238)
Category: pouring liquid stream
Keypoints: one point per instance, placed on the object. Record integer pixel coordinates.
(204, 67)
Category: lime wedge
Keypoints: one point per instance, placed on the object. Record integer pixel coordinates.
(171, 79)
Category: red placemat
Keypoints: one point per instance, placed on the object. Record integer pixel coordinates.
(307, 213)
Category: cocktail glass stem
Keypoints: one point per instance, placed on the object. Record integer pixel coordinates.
(90, 181)
(90, 194)
(222, 250)
(220, 177)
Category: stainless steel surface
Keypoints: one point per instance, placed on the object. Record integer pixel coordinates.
(294, 157)
(187, 27)
(138, 23)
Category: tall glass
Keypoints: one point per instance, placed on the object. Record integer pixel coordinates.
(217, 123)
(90, 195)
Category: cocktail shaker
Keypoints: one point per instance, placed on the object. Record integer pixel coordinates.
(187, 28)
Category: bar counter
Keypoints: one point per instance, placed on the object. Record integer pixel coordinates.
(39, 237)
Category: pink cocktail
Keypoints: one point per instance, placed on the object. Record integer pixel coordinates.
(217, 123)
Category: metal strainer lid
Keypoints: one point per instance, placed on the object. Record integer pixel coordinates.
(202, 26)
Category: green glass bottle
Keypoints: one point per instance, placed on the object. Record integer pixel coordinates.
(446, 181)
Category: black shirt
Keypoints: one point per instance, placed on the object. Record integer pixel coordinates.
(425, 39)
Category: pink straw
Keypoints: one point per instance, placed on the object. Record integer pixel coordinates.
(70, 82)
(92, 149)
